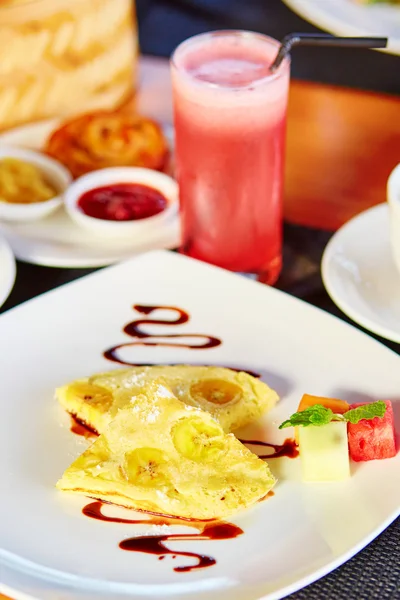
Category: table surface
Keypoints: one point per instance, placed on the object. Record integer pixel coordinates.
(342, 144)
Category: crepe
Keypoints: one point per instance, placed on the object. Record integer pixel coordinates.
(233, 398)
(161, 455)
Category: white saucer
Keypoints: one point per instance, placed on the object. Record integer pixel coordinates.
(57, 241)
(360, 276)
(7, 270)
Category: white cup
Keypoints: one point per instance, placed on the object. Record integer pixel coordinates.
(393, 197)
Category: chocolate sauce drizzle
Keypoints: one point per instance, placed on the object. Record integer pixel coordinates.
(80, 428)
(155, 544)
(134, 330)
(288, 448)
(207, 530)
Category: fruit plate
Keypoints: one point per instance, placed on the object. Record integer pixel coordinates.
(50, 549)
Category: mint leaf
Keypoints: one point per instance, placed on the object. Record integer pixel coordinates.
(313, 415)
(367, 411)
(320, 415)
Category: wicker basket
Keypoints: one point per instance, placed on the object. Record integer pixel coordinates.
(61, 57)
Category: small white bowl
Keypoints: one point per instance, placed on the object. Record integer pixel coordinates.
(121, 229)
(393, 197)
(55, 173)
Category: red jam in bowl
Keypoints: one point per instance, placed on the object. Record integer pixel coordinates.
(122, 202)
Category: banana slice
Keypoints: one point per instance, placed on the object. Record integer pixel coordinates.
(90, 403)
(144, 466)
(163, 456)
(198, 440)
(91, 394)
(233, 398)
(215, 391)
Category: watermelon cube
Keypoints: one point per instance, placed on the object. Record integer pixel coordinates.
(371, 439)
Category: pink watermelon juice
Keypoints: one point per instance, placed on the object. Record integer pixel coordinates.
(230, 115)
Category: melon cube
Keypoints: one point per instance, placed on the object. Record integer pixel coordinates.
(371, 439)
(324, 452)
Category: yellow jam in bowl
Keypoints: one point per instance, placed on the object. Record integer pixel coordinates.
(23, 183)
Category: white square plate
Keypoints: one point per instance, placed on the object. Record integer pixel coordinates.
(51, 550)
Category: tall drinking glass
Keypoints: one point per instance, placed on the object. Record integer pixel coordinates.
(230, 116)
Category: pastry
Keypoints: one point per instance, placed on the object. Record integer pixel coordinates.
(108, 139)
(233, 398)
(163, 456)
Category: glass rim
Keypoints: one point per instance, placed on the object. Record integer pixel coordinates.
(239, 33)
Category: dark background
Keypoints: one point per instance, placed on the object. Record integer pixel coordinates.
(163, 24)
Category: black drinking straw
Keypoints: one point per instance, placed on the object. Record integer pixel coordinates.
(322, 39)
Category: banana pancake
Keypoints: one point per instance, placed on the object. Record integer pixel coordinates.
(233, 398)
(163, 456)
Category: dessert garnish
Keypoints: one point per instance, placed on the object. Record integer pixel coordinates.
(320, 415)
(328, 439)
